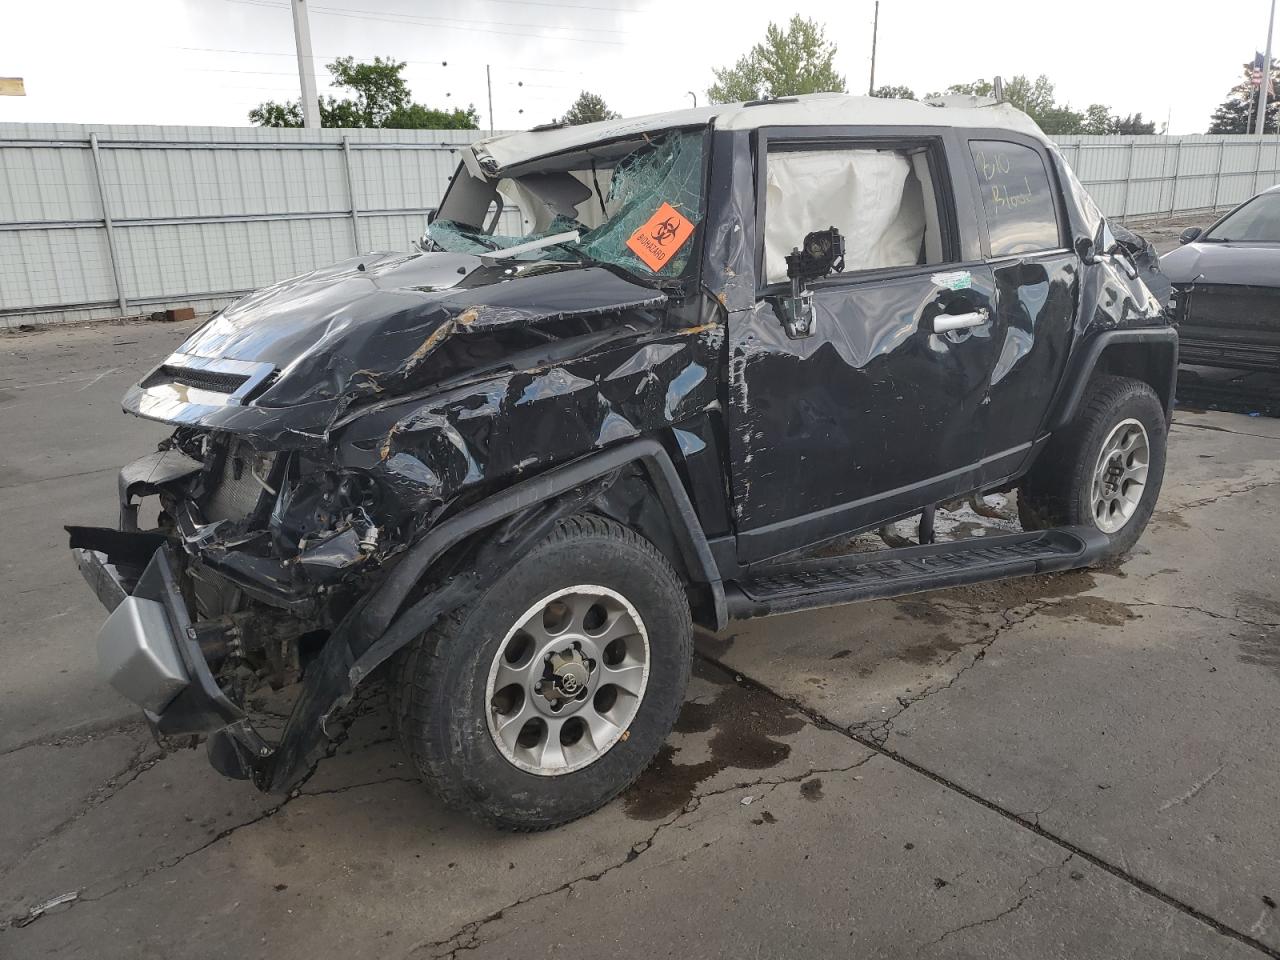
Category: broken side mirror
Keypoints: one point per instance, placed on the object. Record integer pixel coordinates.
(1105, 243)
(822, 255)
(1104, 246)
(1190, 235)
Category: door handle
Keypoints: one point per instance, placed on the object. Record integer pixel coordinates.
(945, 322)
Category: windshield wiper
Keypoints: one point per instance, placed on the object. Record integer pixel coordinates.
(506, 253)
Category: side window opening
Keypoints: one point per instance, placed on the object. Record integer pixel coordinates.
(883, 201)
(1018, 198)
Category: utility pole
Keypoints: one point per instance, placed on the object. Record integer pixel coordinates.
(488, 79)
(1264, 82)
(875, 31)
(306, 67)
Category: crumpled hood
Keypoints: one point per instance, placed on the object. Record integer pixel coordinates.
(1226, 263)
(279, 323)
(375, 326)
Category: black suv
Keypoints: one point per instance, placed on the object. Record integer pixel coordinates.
(638, 369)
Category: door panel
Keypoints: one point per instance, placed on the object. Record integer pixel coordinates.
(1035, 311)
(872, 415)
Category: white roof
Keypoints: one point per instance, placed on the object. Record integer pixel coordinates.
(815, 109)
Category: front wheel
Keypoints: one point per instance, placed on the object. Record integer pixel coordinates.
(1105, 469)
(550, 693)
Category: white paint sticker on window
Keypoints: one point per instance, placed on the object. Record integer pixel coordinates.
(956, 280)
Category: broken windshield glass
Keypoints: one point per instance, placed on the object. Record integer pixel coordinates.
(638, 212)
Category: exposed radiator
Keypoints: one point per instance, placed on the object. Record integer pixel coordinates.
(238, 492)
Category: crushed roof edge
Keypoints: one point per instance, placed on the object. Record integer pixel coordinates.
(817, 109)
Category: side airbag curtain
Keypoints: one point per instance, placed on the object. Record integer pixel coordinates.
(871, 196)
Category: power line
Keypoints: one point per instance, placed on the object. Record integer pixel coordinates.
(411, 18)
(568, 6)
(513, 84)
(267, 73)
(444, 23)
(331, 56)
(289, 73)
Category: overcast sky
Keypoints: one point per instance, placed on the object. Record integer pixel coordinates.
(210, 61)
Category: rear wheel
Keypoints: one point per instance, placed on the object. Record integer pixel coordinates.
(1105, 469)
(551, 692)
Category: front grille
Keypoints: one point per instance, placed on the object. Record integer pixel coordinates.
(1236, 306)
(237, 493)
(197, 377)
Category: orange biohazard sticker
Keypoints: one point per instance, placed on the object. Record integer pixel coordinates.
(657, 241)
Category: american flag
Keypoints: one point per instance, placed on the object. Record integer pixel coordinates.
(1255, 72)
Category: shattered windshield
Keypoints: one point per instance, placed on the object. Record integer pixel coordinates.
(633, 205)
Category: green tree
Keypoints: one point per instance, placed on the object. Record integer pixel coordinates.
(976, 88)
(417, 117)
(787, 63)
(1037, 99)
(894, 93)
(1132, 125)
(378, 86)
(588, 108)
(743, 81)
(1234, 115)
(272, 114)
(1239, 112)
(1097, 119)
(380, 98)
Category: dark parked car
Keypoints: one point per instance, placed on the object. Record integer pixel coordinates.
(643, 367)
(1228, 277)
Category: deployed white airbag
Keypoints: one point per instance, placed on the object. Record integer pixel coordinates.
(871, 196)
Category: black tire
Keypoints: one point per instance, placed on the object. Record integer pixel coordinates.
(1057, 490)
(439, 694)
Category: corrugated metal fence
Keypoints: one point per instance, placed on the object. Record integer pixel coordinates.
(1153, 176)
(100, 221)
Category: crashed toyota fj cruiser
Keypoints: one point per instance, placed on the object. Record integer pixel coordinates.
(637, 370)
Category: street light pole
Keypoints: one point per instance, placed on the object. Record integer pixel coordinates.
(306, 68)
(875, 33)
(488, 80)
(1264, 82)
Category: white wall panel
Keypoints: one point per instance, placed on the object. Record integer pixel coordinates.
(202, 212)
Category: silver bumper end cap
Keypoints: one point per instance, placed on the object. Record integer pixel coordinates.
(138, 655)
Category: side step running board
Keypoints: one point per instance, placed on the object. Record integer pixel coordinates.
(806, 584)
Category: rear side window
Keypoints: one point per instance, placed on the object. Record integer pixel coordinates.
(1018, 197)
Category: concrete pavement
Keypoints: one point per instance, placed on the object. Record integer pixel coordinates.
(1073, 766)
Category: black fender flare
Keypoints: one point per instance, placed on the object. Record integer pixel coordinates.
(377, 628)
(382, 607)
(1162, 367)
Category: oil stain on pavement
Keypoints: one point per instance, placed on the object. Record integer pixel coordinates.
(744, 724)
(1261, 647)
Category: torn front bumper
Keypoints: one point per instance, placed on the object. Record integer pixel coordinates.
(147, 648)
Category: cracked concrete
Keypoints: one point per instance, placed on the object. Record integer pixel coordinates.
(879, 730)
(1080, 765)
(940, 878)
(470, 936)
(1012, 908)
